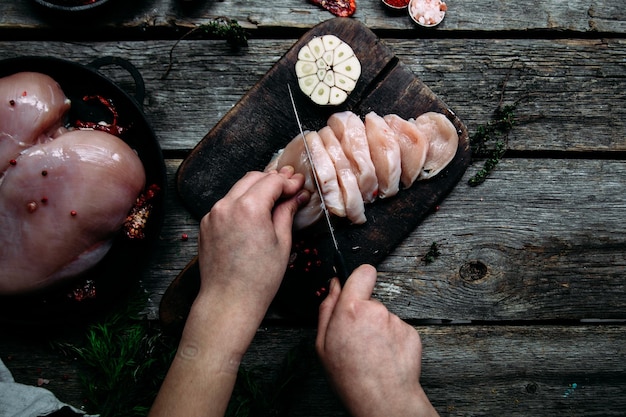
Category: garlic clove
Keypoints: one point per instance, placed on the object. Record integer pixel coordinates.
(331, 42)
(317, 47)
(307, 84)
(305, 54)
(351, 68)
(304, 68)
(337, 96)
(321, 94)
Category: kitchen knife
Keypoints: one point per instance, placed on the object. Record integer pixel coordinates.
(339, 264)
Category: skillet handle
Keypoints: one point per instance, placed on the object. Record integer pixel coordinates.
(140, 87)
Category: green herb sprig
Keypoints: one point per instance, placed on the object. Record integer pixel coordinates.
(220, 27)
(123, 360)
(432, 254)
(495, 131)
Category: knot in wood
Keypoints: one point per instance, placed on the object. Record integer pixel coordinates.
(473, 271)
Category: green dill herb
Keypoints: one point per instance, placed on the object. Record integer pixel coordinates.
(432, 254)
(123, 361)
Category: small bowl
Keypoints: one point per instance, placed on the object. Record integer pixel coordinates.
(396, 5)
(71, 5)
(427, 13)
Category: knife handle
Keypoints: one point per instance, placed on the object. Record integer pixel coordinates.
(340, 267)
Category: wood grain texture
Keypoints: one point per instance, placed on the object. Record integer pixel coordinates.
(568, 90)
(546, 255)
(528, 259)
(467, 370)
(167, 16)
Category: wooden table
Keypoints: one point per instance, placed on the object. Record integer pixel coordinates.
(538, 327)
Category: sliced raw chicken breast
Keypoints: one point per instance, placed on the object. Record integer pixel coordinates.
(443, 142)
(350, 131)
(294, 154)
(326, 175)
(353, 202)
(385, 153)
(413, 148)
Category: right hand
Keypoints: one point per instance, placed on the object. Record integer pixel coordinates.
(371, 356)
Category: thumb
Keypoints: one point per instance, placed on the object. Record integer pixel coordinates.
(361, 283)
(285, 211)
(326, 311)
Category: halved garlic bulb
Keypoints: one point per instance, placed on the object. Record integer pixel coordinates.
(327, 70)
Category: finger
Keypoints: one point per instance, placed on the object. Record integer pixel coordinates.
(285, 211)
(251, 178)
(244, 184)
(361, 283)
(266, 189)
(326, 311)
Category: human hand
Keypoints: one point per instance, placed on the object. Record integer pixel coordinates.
(371, 356)
(245, 239)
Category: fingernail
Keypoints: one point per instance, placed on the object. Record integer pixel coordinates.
(303, 197)
(287, 169)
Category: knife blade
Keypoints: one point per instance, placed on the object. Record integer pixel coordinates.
(339, 264)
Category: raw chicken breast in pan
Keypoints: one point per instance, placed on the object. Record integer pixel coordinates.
(61, 204)
(32, 110)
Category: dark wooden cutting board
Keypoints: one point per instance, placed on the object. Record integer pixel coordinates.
(263, 122)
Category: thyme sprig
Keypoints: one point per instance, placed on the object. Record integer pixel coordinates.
(221, 27)
(495, 131)
(432, 254)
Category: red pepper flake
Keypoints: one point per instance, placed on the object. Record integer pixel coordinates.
(44, 200)
(24, 93)
(73, 213)
(112, 128)
(13, 162)
(184, 237)
(85, 291)
(137, 218)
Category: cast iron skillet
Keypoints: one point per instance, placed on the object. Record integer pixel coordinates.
(76, 301)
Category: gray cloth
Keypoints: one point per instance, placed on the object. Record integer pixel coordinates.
(19, 400)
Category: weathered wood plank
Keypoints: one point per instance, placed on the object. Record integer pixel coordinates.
(167, 15)
(543, 254)
(569, 91)
(467, 370)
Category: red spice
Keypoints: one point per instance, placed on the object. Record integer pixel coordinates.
(13, 162)
(184, 237)
(397, 3)
(24, 94)
(73, 213)
(44, 200)
(112, 128)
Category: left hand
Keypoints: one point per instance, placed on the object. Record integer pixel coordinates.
(245, 240)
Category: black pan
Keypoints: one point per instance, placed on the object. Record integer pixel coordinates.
(105, 284)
